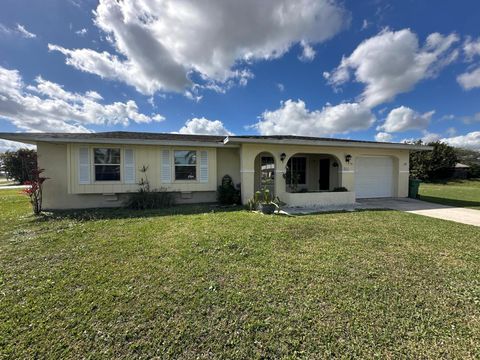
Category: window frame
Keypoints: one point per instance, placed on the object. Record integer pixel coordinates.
(196, 179)
(292, 159)
(119, 164)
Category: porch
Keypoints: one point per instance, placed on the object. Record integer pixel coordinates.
(303, 179)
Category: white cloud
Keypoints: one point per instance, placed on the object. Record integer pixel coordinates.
(451, 131)
(19, 30)
(308, 52)
(160, 44)
(365, 25)
(46, 106)
(281, 87)
(471, 119)
(7, 145)
(470, 80)
(25, 33)
(471, 48)
(392, 62)
(383, 137)
(204, 126)
(404, 118)
(81, 32)
(293, 118)
(468, 141)
(429, 137)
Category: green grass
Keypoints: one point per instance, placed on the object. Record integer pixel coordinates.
(196, 284)
(463, 193)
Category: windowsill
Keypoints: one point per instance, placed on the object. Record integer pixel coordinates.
(185, 181)
(108, 182)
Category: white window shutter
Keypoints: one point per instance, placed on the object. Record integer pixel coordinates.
(83, 165)
(203, 166)
(129, 167)
(166, 167)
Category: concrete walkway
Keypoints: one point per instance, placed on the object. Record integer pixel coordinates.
(457, 214)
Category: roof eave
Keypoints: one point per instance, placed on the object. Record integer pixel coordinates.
(34, 140)
(332, 143)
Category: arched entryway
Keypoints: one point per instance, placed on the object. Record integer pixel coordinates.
(312, 173)
(265, 172)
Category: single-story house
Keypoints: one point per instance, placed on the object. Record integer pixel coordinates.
(460, 171)
(88, 170)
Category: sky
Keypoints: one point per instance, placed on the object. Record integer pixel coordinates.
(369, 70)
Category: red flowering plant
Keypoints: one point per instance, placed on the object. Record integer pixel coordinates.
(34, 189)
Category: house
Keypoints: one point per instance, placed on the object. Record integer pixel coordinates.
(460, 171)
(99, 169)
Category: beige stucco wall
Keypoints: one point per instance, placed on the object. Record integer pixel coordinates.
(320, 199)
(228, 163)
(249, 152)
(63, 191)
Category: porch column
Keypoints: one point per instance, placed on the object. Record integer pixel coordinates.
(247, 174)
(280, 185)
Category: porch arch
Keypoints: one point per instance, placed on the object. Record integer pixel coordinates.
(265, 171)
(312, 172)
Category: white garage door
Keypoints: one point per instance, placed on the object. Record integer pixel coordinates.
(374, 177)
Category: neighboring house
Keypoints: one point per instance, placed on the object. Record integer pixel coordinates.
(99, 169)
(460, 171)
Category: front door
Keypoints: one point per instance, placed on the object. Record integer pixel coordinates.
(324, 176)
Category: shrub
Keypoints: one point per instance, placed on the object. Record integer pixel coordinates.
(340, 189)
(145, 198)
(226, 193)
(34, 191)
(474, 171)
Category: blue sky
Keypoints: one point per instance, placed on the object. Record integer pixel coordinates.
(410, 69)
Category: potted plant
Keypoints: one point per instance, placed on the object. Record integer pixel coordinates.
(266, 202)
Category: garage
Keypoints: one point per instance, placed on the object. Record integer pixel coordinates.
(374, 177)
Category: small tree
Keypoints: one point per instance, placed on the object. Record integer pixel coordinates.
(19, 165)
(435, 164)
(34, 191)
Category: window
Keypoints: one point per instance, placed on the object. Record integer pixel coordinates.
(297, 167)
(107, 164)
(185, 165)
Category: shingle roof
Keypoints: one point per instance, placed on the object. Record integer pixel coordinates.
(119, 137)
(124, 135)
(309, 138)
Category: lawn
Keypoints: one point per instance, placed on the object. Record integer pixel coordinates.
(192, 282)
(463, 193)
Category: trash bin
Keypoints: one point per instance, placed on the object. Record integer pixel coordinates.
(413, 186)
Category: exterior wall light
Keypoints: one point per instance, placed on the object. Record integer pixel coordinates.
(348, 158)
(282, 156)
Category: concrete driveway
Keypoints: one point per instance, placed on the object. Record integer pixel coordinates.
(457, 214)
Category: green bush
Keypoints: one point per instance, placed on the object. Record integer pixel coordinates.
(340, 189)
(143, 200)
(226, 193)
